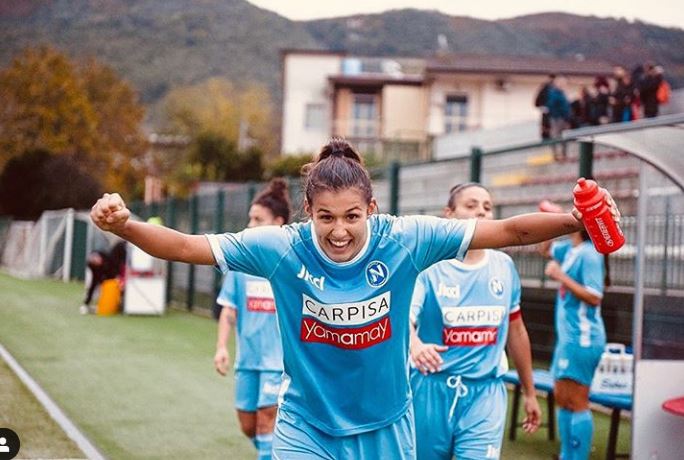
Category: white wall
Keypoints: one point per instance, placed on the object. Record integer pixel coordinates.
(306, 82)
(656, 434)
(490, 104)
(403, 112)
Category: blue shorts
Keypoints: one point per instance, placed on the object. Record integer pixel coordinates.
(256, 389)
(295, 439)
(463, 418)
(571, 361)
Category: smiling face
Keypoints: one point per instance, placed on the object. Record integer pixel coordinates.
(471, 202)
(339, 220)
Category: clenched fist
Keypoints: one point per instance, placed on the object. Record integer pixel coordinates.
(110, 213)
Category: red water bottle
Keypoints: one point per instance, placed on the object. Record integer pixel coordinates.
(604, 232)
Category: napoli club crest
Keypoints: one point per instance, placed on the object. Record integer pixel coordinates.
(377, 274)
(496, 287)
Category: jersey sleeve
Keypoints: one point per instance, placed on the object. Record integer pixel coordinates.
(592, 271)
(559, 249)
(418, 298)
(255, 251)
(514, 309)
(431, 239)
(228, 294)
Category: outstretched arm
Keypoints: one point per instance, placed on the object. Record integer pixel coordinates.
(523, 229)
(110, 214)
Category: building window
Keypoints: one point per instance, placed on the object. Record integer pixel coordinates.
(314, 117)
(364, 116)
(456, 113)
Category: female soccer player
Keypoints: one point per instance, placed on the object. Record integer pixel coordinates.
(463, 314)
(342, 283)
(248, 302)
(580, 337)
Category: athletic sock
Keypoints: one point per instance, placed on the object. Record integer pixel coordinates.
(264, 444)
(564, 421)
(576, 435)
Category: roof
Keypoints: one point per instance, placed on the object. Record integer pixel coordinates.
(312, 52)
(374, 80)
(530, 65)
(657, 141)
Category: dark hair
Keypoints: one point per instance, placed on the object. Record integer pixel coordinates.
(276, 198)
(457, 189)
(337, 167)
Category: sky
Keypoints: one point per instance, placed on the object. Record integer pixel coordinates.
(668, 13)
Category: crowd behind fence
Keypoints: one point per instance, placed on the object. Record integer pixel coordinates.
(517, 178)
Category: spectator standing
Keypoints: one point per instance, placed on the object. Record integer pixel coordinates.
(622, 97)
(648, 89)
(558, 108)
(540, 102)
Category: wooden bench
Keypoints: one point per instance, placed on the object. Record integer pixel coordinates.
(543, 381)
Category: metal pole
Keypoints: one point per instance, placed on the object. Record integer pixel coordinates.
(586, 159)
(194, 224)
(394, 188)
(475, 164)
(68, 245)
(218, 228)
(171, 223)
(639, 264)
(666, 246)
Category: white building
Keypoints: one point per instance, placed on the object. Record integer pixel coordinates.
(396, 106)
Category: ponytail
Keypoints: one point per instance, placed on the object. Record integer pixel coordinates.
(337, 167)
(276, 198)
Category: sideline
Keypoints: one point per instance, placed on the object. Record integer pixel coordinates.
(87, 447)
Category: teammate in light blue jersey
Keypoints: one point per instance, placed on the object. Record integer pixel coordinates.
(342, 284)
(580, 337)
(248, 302)
(462, 312)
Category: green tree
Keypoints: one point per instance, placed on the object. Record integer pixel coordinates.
(230, 128)
(288, 165)
(120, 144)
(84, 111)
(44, 106)
(39, 180)
(216, 158)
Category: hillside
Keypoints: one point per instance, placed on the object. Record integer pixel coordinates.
(157, 44)
(416, 32)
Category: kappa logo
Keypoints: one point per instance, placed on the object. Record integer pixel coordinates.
(304, 274)
(377, 273)
(496, 287)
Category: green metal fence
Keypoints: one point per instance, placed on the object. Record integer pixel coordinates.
(518, 179)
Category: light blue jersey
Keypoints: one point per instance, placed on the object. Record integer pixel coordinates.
(467, 308)
(345, 325)
(577, 322)
(258, 344)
